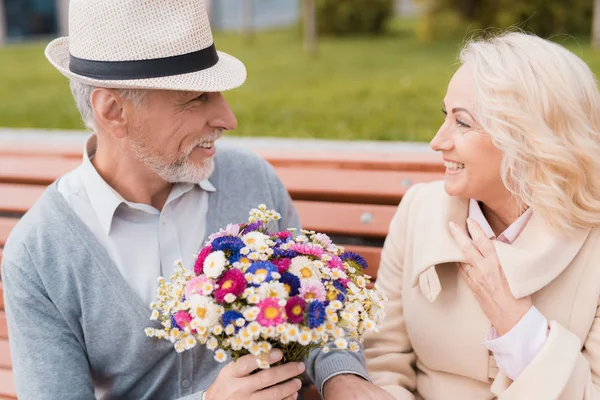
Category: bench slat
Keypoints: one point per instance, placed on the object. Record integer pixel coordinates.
(362, 220)
(18, 199)
(5, 360)
(7, 384)
(6, 225)
(391, 161)
(302, 182)
(351, 186)
(34, 170)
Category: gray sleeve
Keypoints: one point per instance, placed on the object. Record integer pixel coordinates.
(195, 396)
(49, 362)
(322, 366)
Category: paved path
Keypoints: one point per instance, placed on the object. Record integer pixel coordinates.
(55, 136)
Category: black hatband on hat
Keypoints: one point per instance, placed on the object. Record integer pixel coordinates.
(145, 69)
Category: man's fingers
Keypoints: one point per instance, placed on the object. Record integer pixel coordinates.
(465, 243)
(292, 397)
(285, 390)
(481, 241)
(245, 365)
(275, 375)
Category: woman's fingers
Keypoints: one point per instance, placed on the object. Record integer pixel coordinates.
(465, 243)
(483, 244)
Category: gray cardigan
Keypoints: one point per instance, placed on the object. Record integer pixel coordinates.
(76, 328)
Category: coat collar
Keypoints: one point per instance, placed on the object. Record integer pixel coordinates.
(536, 257)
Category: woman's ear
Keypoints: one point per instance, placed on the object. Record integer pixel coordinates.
(109, 112)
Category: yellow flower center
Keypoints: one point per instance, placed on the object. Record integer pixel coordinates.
(288, 288)
(261, 272)
(201, 312)
(297, 310)
(273, 293)
(310, 295)
(271, 313)
(306, 272)
(251, 241)
(332, 295)
(227, 284)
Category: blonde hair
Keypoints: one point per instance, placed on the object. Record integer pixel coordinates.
(541, 106)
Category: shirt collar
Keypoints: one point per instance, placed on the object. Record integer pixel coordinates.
(105, 200)
(510, 234)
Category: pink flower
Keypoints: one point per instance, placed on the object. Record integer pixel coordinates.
(198, 267)
(335, 263)
(294, 309)
(230, 230)
(283, 264)
(271, 313)
(195, 286)
(312, 290)
(232, 281)
(344, 281)
(182, 318)
(284, 235)
(306, 249)
(323, 239)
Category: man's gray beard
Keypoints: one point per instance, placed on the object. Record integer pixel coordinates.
(177, 169)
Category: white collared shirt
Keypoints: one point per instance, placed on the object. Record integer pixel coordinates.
(142, 241)
(519, 346)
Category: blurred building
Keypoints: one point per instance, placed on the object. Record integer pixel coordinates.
(30, 19)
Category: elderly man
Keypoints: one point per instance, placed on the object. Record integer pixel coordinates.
(80, 269)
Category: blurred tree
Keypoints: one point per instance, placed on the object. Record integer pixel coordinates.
(310, 27)
(596, 26)
(347, 17)
(248, 20)
(543, 17)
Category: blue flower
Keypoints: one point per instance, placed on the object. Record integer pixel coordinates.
(263, 268)
(316, 314)
(174, 323)
(229, 317)
(291, 281)
(279, 253)
(341, 290)
(230, 245)
(354, 258)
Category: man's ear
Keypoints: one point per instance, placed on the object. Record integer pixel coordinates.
(109, 111)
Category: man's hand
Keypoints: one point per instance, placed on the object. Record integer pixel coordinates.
(353, 387)
(234, 382)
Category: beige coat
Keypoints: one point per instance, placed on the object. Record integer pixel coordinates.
(430, 346)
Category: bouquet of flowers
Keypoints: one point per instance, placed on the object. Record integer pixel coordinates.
(252, 290)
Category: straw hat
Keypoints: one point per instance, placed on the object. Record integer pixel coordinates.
(146, 44)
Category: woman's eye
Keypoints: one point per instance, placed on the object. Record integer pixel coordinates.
(444, 111)
(462, 123)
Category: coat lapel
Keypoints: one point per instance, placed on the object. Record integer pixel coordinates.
(536, 257)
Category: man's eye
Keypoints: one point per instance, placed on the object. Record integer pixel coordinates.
(203, 97)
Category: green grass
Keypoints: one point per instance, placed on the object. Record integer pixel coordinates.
(385, 88)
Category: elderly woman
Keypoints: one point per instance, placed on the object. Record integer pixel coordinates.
(493, 276)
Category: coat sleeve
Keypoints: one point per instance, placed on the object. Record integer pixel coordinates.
(563, 369)
(389, 355)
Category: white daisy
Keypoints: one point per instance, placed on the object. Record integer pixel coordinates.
(354, 346)
(189, 342)
(254, 329)
(273, 289)
(304, 268)
(217, 329)
(204, 310)
(220, 356)
(251, 313)
(154, 315)
(214, 264)
(256, 241)
(179, 346)
(150, 332)
(326, 350)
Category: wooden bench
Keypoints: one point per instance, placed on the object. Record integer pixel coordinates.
(350, 196)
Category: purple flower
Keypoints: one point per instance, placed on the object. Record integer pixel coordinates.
(354, 258)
